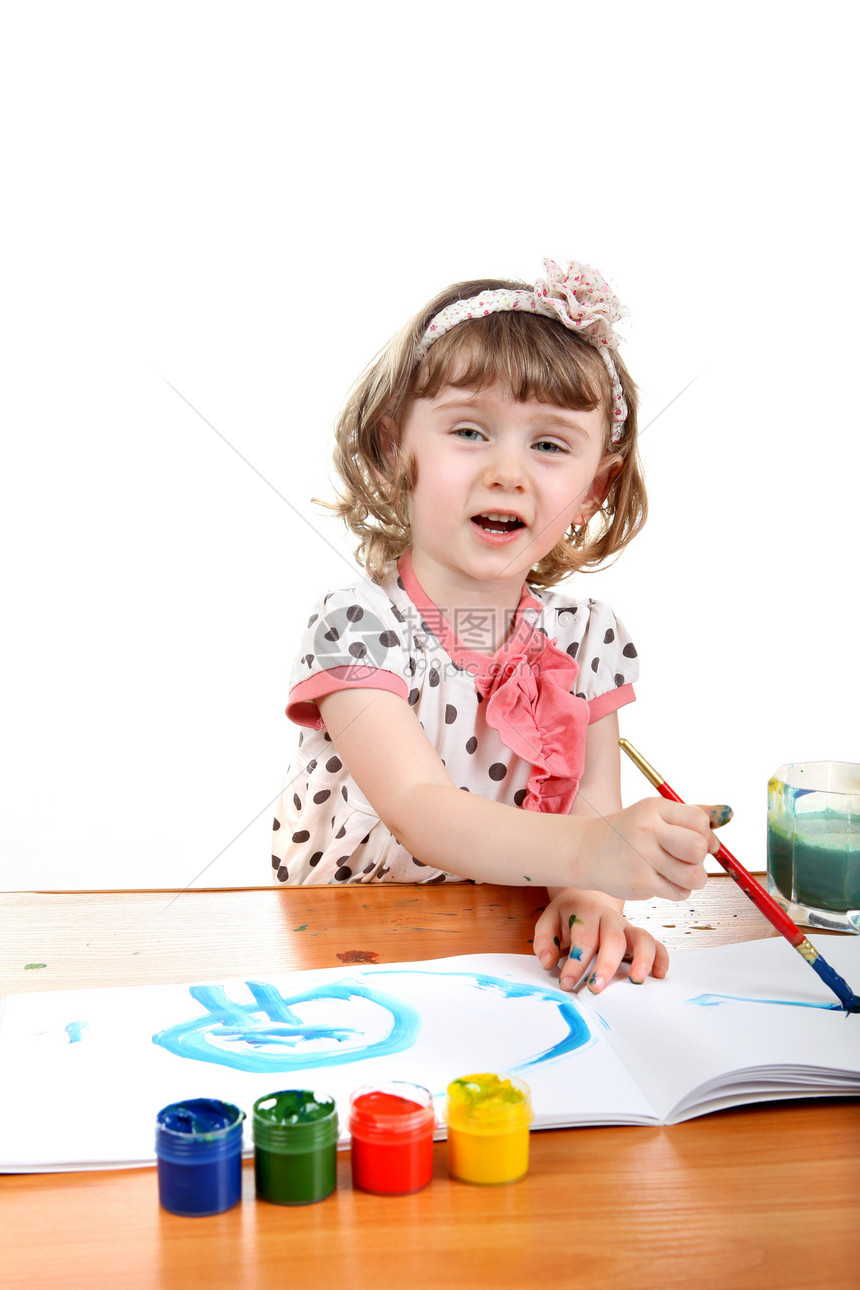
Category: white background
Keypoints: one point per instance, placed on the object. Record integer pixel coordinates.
(215, 214)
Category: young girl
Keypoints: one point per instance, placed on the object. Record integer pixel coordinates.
(460, 718)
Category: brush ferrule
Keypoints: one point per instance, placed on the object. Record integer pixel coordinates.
(638, 760)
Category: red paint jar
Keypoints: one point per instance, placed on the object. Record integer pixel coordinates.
(392, 1138)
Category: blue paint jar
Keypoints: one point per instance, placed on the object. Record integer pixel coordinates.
(199, 1148)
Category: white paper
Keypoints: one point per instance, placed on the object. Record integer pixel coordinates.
(82, 1077)
(735, 1008)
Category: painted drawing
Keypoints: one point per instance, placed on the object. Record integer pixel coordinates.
(342, 1022)
(102, 1063)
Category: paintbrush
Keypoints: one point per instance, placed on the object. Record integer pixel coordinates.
(762, 899)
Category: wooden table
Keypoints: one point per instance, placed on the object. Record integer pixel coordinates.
(762, 1197)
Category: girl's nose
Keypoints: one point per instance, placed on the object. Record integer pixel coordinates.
(506, 468)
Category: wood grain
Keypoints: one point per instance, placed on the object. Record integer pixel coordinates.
(132, 938)
(722, 1201)
(758, 1197)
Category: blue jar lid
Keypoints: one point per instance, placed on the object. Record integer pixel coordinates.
(199, 1129)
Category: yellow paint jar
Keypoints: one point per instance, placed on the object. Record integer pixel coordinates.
(488, 1120)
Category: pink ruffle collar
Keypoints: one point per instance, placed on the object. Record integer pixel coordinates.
(527, 688)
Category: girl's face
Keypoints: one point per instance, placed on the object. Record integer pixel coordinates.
(498, 483)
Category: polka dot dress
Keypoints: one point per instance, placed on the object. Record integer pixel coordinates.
(390, 637)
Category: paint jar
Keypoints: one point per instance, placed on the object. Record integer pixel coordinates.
(199, 1148)
(813, 843)
(488, 1129)
(392, 1137)
(295, 1146)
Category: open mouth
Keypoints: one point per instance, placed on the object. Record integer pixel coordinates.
(497, 522)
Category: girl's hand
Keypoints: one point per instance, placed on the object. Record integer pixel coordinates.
(576, 925)
(653, 848)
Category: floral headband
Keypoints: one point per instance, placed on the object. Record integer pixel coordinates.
(573, 294)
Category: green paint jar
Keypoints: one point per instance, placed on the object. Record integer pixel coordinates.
(295, 1146)
(813, 843)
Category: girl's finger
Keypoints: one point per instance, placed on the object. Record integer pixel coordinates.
(613, 944)
(579, 957)
(670, 891)
(547, 942)
(661, 961)
(647, 956)
(683, 870)
(687, 845)
(719, 815)
(582, 936)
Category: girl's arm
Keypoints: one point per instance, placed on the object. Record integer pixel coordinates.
(578, 925)
(655, 848)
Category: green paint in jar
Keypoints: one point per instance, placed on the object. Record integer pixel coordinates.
(295, 1146)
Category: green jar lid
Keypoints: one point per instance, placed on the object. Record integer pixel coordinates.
(294, 1119)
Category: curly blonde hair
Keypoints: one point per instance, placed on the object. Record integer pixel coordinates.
(533, 357)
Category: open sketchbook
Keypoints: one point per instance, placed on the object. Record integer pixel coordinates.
(83, 1073)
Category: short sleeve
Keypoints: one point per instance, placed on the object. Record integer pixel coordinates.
(352, 640)
(608, 663)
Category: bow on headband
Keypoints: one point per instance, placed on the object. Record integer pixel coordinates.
(572, 294)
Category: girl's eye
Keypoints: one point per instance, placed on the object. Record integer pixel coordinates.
(549, 447)
(470, 433)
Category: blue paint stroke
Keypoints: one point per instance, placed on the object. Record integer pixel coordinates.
(575, 952)
(76, 1031)
(268, 1036)
(714, 1001)
(578, 1032)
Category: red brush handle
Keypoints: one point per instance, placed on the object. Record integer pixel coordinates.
(762, 899)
